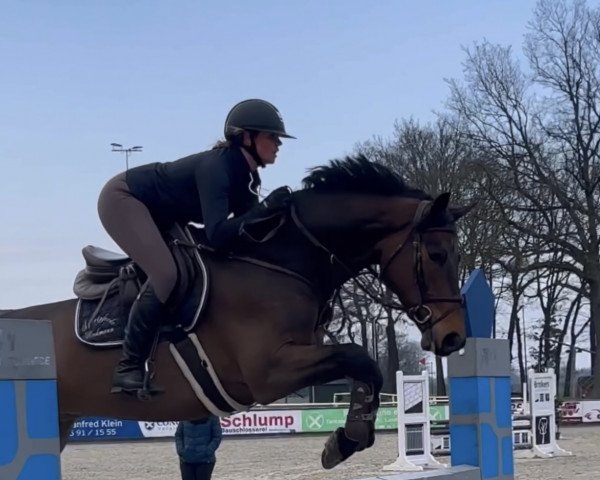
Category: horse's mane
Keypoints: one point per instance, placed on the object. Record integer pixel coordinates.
(358, 174)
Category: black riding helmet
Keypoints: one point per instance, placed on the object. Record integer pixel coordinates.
(255, 115)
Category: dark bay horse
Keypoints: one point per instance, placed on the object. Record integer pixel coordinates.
(259, 325)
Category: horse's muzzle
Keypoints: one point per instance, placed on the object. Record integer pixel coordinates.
(451, 343)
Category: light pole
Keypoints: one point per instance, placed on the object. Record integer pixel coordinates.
(525, 339)
(117, 147)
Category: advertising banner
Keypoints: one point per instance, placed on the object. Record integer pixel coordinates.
(328, 419)
(571, 412)
(259, 422)
(323, 420)
(248, 423)
(157, 429)
(590, 411)
(95, 428)
(439, 412)
(269, 422)
(262, 422)
(518, 406)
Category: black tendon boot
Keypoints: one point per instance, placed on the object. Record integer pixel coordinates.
(144, 321)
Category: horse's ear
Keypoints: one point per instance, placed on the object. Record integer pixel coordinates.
(440, 204)
(459, 212)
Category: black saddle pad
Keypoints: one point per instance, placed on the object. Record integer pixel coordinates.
(102, 322)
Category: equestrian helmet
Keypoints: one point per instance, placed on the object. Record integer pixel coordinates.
(257, 115)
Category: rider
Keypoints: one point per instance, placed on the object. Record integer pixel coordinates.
(137, 205)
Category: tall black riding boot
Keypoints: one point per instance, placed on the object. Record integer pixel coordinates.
(144, 322)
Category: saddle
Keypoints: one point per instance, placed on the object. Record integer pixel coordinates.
(110, 282)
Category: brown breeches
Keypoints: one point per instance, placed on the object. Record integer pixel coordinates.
(130, 225)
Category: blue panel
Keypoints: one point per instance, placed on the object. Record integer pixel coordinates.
(470, 396)
(41, 467)
(490, 454)
(463, 396)
(9, 433)
(479, 305)
(484, 386)
(464, 451)
(508, 465)
(42, 409)
(503, 402)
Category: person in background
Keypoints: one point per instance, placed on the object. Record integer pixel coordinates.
(196, 443)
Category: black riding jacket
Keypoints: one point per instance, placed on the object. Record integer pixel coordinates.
(204, 188)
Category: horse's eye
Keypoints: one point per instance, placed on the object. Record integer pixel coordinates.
(439, 257)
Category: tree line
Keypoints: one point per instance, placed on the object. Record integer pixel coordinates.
(519, 135)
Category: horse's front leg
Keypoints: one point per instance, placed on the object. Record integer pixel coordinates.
(359, 430)
(297, 366)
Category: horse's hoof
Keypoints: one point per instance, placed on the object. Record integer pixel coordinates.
(338, 448)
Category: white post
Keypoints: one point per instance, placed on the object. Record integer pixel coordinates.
(542, 394)
(414, 429)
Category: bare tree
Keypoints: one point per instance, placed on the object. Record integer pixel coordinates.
(576, 332)
(558, 304)
(440, 158)
(518, 282)
(368, 318)
(541, 137)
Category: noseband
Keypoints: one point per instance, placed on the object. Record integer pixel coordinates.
(421, 313)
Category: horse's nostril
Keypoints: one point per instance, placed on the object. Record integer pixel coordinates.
(451, 343)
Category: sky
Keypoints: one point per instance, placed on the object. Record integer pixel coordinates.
(76, 76)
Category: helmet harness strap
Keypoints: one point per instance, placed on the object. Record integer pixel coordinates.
(251, 149)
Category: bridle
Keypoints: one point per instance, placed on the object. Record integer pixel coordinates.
(421, 313)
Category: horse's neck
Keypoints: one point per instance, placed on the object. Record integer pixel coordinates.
(355, 212)
(334, 216)
(351, 225)
(321, 212)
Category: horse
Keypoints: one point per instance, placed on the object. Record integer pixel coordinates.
(259, 327)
